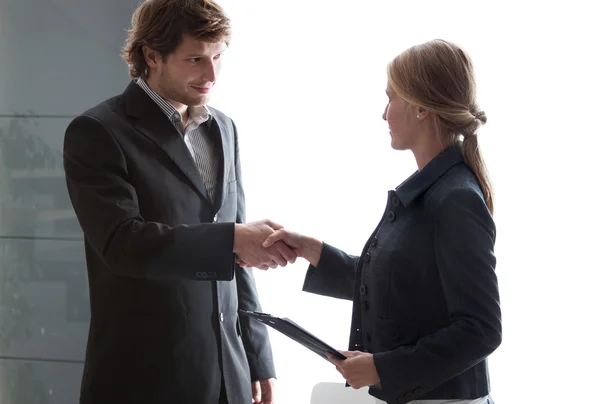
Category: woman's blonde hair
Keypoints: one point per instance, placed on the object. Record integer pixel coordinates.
(438, 76)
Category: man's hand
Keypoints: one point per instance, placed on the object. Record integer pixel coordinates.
(247, 245)
(358, 369)
(263, 391)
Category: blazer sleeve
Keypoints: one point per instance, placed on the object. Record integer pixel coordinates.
(334, 274)
(464, 239)
(106, 205)
(254, 334)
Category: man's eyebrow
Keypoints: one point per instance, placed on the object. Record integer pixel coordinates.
(201, 55)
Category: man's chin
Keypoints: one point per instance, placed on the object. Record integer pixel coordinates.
(199, 101)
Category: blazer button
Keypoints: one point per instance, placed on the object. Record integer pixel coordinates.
(221, 317)
(367, 258)
(374, 242)
(395, 201)
(363, 290)
(391, 216)
(365, 305)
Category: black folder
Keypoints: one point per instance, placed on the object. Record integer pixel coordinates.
(295, 332)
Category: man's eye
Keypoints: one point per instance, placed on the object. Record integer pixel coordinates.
(218, 56)
(194, 60)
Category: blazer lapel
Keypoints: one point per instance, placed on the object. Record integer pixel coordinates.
(154, 124)
(218, 129)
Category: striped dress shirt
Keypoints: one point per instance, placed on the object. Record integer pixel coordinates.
(195, 135)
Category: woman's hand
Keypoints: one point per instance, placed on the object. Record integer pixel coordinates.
(303, 246)
(358, 369)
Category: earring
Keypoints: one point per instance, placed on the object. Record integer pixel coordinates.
(418, 116)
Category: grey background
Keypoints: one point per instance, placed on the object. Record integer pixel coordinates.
(57, 58)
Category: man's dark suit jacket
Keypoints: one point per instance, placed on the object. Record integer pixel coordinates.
(164, 286)
(425, 291)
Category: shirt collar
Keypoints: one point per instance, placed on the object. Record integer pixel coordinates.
(415, 185)
(197, 115)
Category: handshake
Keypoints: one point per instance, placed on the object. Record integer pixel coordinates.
(266, 244)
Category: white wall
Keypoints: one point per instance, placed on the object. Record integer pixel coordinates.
(305, 83)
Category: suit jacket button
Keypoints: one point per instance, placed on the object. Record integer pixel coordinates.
(221, 317)
(367, 258)
(363, 290)
(374, 242)
(395, 201)
(391, 216)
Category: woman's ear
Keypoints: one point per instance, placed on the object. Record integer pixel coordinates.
(422, 114)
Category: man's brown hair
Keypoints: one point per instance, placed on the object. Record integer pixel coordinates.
(161, 24)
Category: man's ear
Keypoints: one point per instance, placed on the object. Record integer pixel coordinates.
(151, 56)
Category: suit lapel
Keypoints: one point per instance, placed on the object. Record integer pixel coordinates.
(154, 124)
(218, 129)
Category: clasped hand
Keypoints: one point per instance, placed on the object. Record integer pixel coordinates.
(271, 245)
(251, 251)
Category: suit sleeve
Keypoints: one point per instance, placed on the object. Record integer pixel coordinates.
(107, 209)
(334, 274)
(254, 334)
(464, 251)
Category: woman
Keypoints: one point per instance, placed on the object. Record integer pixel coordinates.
(426, 311)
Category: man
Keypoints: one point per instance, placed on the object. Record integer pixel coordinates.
(154, 177)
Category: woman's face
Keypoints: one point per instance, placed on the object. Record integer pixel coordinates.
(402, 121)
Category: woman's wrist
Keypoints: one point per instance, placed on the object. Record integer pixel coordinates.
(312, 250)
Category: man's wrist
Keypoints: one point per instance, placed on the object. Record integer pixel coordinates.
(238, 229)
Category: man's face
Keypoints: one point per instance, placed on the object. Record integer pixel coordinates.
(187, 75)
